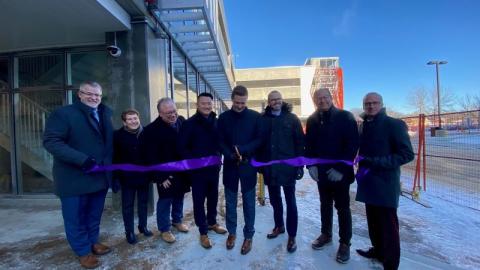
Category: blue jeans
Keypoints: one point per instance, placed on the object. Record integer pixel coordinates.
(248, 199)
(81, 218)
(165, 206)
(276, 201)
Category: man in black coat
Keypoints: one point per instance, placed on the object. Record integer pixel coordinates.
(199, 138)
(240, 137)
(126, 149)
(284, 140)
(385, 146)
(332, 134)
(79, 136)
(159, 144)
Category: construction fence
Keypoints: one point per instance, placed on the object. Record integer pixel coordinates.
(447, 160)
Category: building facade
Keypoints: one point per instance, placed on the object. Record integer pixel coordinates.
(296, 83)
(139, 51)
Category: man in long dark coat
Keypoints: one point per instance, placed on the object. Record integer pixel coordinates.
(385, 146)
(80, 136)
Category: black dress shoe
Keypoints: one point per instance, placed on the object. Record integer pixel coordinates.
(370, 253)
(275, 232)
(343, 253)
(145, 231)
(131, 238)
(291, 245)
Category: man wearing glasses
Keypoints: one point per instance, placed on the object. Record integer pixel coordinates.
(80, 136)
(385, 146)
(159, 144)
(332, 134)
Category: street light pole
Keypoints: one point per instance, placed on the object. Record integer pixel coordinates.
(437, 63)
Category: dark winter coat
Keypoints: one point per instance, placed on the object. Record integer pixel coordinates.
(159, 144)
(126, 149)
(72, 135)
(332, 135)
(284, 139)
(241, 129)
(385, 144)
(199, 138)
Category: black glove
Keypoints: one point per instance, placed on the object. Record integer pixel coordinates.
(365, 162)
(299, 173)
(88, 164)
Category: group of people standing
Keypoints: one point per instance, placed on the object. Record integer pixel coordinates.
(80, 137)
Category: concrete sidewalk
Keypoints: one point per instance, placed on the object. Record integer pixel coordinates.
(32, 237)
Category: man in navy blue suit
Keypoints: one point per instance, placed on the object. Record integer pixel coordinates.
(79, 136)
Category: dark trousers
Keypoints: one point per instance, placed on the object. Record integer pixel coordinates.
(274, 193)
(81, 218)
(128, 202)
(337, 192)
(384, 234)
(205, 189)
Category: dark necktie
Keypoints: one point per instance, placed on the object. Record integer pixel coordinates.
(95, 115)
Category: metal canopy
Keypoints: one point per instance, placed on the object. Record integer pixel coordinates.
(198, 28)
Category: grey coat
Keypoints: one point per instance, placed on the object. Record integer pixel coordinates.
(72, 136)
(385, 145)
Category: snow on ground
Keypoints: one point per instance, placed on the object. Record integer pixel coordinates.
(442, 237)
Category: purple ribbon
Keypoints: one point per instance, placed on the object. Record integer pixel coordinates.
(302, 161)
(174, 166)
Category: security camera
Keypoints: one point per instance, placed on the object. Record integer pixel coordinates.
(114, 51)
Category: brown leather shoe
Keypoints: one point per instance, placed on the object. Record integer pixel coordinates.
(89, 261)
(246, 247)
(205, 242)
(180, 227)
(100, 249)
(275, 232)
(168, 237)
(231, 241)
(217, 228)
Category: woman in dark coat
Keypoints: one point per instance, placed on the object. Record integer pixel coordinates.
(126, 150)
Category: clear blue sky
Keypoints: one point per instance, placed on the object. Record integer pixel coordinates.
(383, 45)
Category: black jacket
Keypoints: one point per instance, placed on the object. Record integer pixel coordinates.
(199, 138)
(244, 131)
(385, 144)
(284, 139)
(71, 136)
(159, 144)
(126, 149)
(332, 135)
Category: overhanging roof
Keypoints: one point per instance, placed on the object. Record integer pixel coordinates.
(33, 24)
(199, 29)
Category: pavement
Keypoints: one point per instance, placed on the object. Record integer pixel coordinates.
(32, 237)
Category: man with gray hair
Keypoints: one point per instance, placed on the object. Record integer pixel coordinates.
(332, 134)
(79, 137)
(384, 146)
(159, 145)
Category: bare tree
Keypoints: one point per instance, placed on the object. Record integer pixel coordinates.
(424, 101)
(469, 102)
(419, 100)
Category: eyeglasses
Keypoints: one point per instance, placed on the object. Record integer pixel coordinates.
(374, 103)
(170, 112)
(89, 94)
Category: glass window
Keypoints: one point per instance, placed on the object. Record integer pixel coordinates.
(202, 86)
(192, 90)
(89, 66)
(179, 76)
(5, 144)
(44, 70)
(32, 110)
(4, 74)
